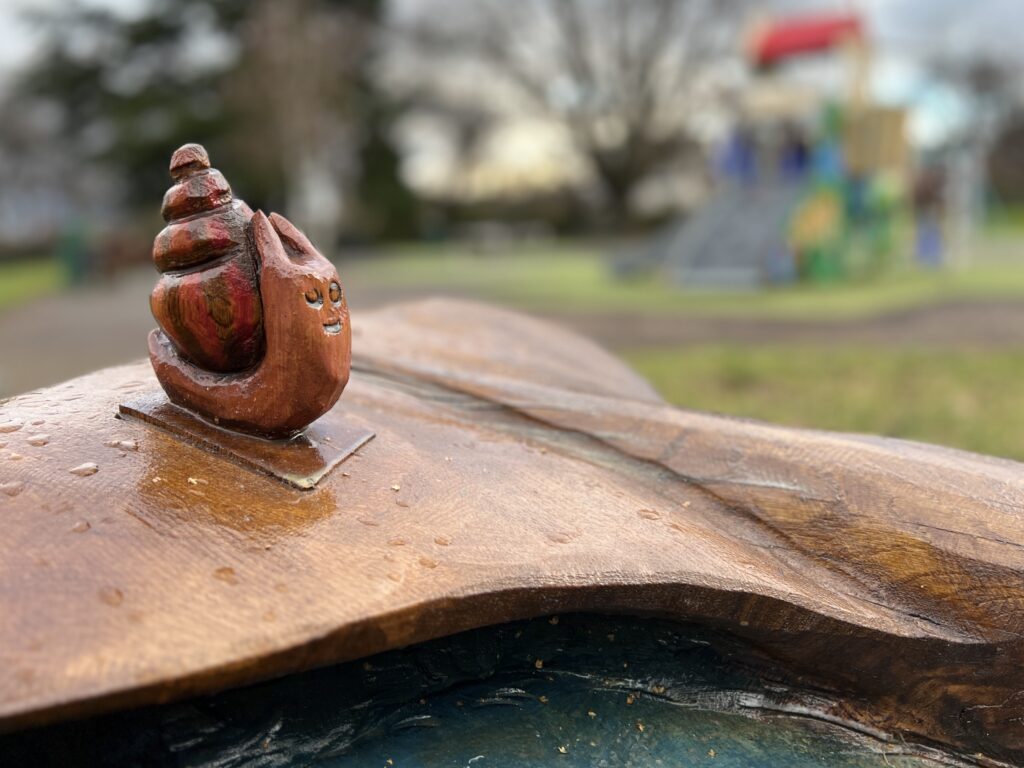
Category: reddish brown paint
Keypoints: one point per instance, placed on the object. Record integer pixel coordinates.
(196, 240)
(239, 342)
(210, 315)
(207, 300)
(308, 345)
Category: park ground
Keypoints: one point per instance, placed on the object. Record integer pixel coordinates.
(926, 356)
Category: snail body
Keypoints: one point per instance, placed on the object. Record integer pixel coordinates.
(254, 328)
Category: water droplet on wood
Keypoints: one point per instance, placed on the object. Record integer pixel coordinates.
(124, 445)
(112, 596)
(81, 526)
(10, 426)
(84, 470)
(38, 440)
(560, 538)
(226, 574)
(442, 541)
(649, 514)
(428, 562)
(12, 488)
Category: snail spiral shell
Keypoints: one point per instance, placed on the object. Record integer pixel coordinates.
(207, 300)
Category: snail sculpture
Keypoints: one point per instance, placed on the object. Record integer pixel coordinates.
(253, 325)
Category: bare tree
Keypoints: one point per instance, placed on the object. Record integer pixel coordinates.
(628, 79)
(299, 65)
(985, 149)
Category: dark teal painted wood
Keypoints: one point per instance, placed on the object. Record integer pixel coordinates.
(575, 691)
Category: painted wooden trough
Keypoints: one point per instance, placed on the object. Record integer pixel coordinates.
(534, 560)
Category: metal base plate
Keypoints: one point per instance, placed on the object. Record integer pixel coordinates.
(301, 461)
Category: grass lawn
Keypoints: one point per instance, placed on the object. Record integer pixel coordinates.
(576, 278)
(25, 280)
(964, 398)
(967, 398)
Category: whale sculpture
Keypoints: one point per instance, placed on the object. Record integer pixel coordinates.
(253, 324)
(849, 581)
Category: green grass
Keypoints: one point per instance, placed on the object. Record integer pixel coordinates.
(963, 398)
(26, 280)
(576, 278)
(967, 399)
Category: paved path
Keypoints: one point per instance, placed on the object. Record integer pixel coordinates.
(953, 323)
(66, 335)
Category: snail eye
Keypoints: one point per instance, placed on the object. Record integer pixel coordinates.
(335, 293)
(313, 297)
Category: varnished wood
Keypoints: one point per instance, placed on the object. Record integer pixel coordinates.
(517, 471)
(308, 345)
(253, 322)
(207, 300)
(301, 461)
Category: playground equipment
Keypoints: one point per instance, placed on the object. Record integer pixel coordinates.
(805, 190)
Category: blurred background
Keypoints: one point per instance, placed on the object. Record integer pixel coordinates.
(807, 212)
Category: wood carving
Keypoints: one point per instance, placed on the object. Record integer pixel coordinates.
(254, 327)
(521, 472)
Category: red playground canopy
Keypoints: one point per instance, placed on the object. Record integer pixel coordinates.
(805, 34)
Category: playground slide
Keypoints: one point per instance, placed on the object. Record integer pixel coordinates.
(736, 240)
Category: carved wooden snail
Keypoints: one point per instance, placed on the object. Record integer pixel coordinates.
(254, 328)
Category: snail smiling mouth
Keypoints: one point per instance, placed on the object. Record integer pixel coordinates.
(315, 299)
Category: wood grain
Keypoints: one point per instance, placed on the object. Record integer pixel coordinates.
(207, 300)
(517, 471)
(253, 329)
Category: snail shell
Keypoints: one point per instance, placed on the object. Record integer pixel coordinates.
(207, 300)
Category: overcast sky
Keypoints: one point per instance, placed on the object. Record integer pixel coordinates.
(905, 33)
(914, 27)
(919, 25)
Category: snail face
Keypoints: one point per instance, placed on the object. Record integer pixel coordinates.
(325, 296)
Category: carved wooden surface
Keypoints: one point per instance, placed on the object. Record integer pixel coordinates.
(308, 344)
(517, 471)
(207, 300)
(253, 323)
